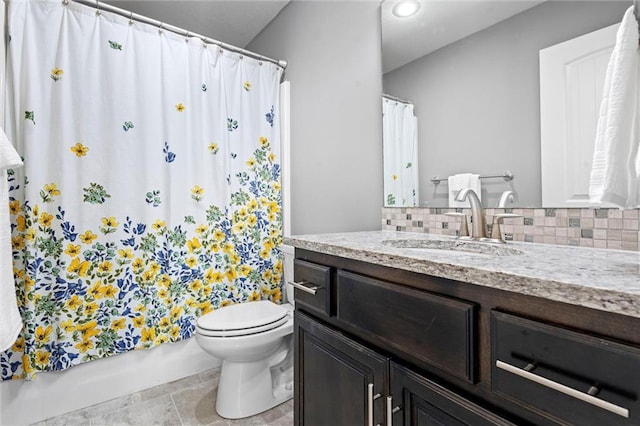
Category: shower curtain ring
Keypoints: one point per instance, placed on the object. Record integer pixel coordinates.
(98, 13)
(187, 36)
(160, 27)
(130, 18)
(65, 2)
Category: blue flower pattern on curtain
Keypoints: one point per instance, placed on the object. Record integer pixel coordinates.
(142, 204)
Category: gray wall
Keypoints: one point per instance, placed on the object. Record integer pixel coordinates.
(477, 100)
(333, 50)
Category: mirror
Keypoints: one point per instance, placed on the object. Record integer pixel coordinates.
(471, 70)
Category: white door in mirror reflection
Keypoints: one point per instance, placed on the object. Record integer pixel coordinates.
(571, 81)
(400, 153)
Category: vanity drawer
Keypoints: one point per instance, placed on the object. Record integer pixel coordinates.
(434, 331)
(312, 284)
(567, 376)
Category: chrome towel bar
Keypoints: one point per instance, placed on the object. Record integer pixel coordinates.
(507, 176)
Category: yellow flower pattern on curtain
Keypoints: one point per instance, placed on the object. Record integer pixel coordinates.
(150, 193)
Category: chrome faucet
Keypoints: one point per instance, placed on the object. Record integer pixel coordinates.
(478, 225)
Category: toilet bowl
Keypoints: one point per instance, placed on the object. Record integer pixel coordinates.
(254, 340)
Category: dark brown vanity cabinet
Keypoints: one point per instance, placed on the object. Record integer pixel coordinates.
(383, 346)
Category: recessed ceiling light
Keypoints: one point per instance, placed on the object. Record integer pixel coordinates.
(403, 9)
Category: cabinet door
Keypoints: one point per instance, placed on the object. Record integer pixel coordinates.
(417, 401)
(333, 375)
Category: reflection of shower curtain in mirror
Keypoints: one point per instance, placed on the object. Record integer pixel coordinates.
(400, 149)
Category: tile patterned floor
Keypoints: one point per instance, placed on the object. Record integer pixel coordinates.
(186, 402)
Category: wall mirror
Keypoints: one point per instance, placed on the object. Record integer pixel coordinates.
(471, 71)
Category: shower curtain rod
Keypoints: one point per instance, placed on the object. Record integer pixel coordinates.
(161, 25)
(394, 98)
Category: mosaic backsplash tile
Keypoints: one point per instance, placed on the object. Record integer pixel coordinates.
(600, 228)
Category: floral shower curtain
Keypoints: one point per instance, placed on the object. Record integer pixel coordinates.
(150, 191)
(400, 153)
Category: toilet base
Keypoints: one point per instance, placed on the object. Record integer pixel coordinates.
(249, 388)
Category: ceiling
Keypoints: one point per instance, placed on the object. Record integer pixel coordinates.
(438, 23)
(235, 22)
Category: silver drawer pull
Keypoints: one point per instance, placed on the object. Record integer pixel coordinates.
(585, 397)
(305, 286)
(370, 404)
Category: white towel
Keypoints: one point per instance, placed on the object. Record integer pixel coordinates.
(10, 321)
(615, 173)
(461, 181)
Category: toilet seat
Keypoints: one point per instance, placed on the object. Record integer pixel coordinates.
(242, 319)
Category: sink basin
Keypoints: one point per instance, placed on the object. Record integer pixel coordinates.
(455, 245)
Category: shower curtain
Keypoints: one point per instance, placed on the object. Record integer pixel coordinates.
(400, 153)
(150, 193)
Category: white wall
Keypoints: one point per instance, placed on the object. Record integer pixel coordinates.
(478, 100)
(333, 50)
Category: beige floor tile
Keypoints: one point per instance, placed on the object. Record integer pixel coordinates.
(158, 411)
(210, 375)
(197, 405)
(170, 387)
(185, 402)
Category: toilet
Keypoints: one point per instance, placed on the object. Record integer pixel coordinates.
(254, 340)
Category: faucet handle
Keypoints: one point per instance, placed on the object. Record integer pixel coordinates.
(506, 197)
(464, 228)
(496, 233)
(499, 216)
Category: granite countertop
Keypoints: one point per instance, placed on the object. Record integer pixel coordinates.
(607, 280)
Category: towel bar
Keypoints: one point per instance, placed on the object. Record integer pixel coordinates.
(507, 176)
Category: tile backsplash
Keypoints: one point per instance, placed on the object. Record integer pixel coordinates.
(600, 228)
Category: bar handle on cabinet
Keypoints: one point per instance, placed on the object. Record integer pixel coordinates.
(582, 396)
(391, 410)
(305, 286)
(370, 404)
(370, 398)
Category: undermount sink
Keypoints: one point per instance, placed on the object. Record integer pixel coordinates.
(455, 245)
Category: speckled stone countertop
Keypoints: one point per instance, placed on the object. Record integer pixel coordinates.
(608, 280)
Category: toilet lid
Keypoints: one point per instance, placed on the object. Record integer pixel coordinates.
(243, 318)
(243, 331)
